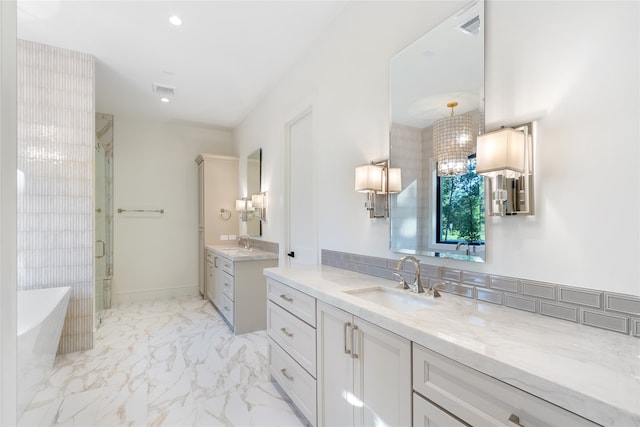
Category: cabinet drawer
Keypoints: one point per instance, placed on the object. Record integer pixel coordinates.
(227, 285)
(226, 265)
(292, 334)
(292, 300)
(226, 307)
(295, 381)
(479, 399)
(426, 414)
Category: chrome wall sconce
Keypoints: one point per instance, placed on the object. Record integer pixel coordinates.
(244, 206)
(506, 156)
(378, 180)
(259, 202)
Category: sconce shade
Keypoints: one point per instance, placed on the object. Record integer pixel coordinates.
(453, 143)
(501, 151)
(395, 180)
(369, 178)
(244, 205)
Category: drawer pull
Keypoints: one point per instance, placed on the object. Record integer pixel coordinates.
(514, 420)
(346, 349)
(286, 298)
(353, 341)
(287, 333)
(287, 376)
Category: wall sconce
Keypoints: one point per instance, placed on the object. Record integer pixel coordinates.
(378, 180)
(244, 206)
(453, 143)
(259, 202)
(506, 156)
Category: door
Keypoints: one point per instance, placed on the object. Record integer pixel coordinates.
(302, 218)
(336, 399)
(382, 376)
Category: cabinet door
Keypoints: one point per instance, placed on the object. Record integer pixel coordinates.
(382, 376)
(426, 414)
(336, 400)
(212, 282)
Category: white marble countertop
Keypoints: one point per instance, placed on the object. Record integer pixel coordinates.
(237, 253)
(591, 372)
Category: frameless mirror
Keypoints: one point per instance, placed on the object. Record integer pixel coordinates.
(254, 170)
(432, 215)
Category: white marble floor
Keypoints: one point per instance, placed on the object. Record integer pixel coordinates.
(163, 363)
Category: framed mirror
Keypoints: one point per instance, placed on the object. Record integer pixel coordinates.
(434, 215)
(254, 183)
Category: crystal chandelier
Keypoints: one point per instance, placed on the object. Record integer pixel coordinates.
(452, 143)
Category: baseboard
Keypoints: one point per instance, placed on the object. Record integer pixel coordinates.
(153, 294)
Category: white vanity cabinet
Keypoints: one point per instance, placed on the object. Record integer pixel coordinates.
(477, 399)
(364, 372)
(211, 282)
(240, 291)
(291, 327)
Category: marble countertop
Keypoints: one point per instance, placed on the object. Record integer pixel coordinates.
(591, 372)
(237, 253)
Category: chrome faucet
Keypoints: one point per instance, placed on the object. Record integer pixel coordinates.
(417, 284)
(247, 241)
(468, 247)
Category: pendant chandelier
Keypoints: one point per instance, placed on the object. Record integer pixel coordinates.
(452, 143)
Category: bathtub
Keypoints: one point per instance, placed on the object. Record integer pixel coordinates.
(41, 314)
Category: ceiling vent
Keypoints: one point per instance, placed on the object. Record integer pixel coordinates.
(471, 27)
(163, 90)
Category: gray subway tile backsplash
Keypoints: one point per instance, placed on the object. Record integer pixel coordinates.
(521, 303)
(503, 284)
(477, 279)
(600, 319)
(580, 296)
(488, 295)
(622, 303)
(559, 311)
(539, 290)
(590, 307)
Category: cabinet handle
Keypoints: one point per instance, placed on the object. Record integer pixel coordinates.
(353, 341)
(215, 262)
(287, 376)
(287, 333)
(286, 298)
(514, 420)
(346, 349)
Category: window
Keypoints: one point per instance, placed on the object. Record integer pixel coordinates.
(460, 204)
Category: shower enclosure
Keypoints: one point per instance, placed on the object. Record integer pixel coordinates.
(103, 214)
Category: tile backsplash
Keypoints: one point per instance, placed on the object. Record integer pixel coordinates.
(591, 307)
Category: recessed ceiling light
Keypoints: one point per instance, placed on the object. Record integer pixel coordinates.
(163, 99)
(175, 20)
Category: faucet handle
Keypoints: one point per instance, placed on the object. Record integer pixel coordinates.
(403, 283)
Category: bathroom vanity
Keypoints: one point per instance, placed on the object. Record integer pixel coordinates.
(384, 356)
(236, 285)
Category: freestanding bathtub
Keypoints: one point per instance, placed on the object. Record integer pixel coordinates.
(41, 314)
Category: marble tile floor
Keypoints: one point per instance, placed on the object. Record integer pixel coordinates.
(163, 363)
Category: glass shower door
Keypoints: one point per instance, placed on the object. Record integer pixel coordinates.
(103, 214)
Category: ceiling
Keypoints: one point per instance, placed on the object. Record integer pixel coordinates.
(221, 61)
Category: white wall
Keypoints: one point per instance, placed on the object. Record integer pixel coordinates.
(573, 66)
(154, 168)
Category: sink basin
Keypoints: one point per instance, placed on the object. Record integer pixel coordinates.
(394, 299)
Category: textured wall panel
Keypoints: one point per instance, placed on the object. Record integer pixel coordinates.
(56, 121)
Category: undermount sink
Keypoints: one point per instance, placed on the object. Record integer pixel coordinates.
(394, 299)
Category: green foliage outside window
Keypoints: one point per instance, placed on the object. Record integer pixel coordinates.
(461, 207)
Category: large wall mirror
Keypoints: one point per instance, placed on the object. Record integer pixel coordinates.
(440, 210)
(254, 171)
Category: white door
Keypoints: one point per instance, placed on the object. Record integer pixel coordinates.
(302, 220)
(382, 376)
(336, 400)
